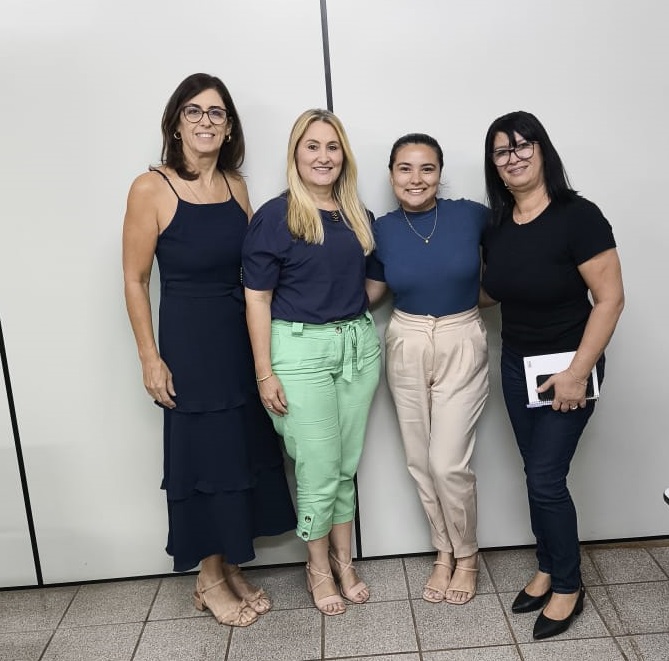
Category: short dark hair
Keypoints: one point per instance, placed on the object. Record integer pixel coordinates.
(416, 139)
(555, 178)
(232, 153)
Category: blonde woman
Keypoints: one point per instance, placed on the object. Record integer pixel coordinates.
(316, 350)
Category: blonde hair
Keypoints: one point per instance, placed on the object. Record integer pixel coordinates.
(304, 220)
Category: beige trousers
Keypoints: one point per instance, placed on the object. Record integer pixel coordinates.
(437, 370)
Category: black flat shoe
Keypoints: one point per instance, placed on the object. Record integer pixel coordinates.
(526, 603)
(544, 627)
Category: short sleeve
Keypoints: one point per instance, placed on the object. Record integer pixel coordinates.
(590, 232)
(484, 218)
(263, 247)
(374, 268)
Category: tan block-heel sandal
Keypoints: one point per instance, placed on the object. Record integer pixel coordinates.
(238, 615)
(339, 568)
(256, 598)
(327, 600)
(454, 588)
(438, 594)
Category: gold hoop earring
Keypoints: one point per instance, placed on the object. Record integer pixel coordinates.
(177, 135)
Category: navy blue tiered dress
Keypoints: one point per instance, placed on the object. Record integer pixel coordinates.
(223, 467)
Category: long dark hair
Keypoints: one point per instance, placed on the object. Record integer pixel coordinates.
(530, 128)
(416, 139)
(231, 155)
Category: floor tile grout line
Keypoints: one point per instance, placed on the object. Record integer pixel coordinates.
(501, 603)
(226, 656)
(504, 613)
(146, 620)
(656, 561)
(323, 631)
(46, 647)
(633, 644)
(627, 651)
(411, 609)
(69, 605)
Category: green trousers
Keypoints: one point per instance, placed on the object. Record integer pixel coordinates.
(329, 373)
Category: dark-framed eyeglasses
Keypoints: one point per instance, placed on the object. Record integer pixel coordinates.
(194, 114)
(523, 151)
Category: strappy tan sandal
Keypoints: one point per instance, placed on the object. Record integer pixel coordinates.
(256, 598)
(339, 568)
(440, 594)
(238, 615)
(451, 587)
(327, 600)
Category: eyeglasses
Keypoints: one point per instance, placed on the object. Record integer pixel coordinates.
(194, 114)
(523, 150)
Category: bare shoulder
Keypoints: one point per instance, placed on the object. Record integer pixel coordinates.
(239, 190)
(147, 185)
(237, 183)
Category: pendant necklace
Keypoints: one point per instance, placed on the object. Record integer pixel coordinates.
(192, 190)
(199, 199)
(337, 216)
(413, 229)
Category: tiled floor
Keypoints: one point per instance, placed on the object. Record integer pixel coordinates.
(626, 616)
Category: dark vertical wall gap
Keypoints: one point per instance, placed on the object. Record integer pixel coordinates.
(328, 94)
(326, 53)
(19, 458)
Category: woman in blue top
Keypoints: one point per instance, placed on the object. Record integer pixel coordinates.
(547, 252)
(428, 254)
(315, 346)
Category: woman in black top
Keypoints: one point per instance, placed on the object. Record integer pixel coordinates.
(546, 251)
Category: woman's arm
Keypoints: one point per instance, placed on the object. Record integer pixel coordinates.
(259, 321)
(140, 234)
(376, 290)
(603, 276)
(485, 300)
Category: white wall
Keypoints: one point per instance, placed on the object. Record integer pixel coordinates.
(84, 86)
(595, 74)
(17, 566)
(81, 110)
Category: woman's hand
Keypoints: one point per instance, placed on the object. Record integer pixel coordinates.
(158, 382)
(569, 392)
(272, 396)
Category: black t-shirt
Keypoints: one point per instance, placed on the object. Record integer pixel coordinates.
(532, 269)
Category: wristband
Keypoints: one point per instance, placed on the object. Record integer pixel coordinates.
(264, 378)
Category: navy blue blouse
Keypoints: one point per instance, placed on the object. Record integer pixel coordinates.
(312, 283)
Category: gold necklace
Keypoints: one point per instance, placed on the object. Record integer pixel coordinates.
(195, 195)
(192, 190)
(413, 229)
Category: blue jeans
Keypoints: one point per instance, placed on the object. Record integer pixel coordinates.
(547, 441)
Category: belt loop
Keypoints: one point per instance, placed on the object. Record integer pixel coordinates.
(297, 328)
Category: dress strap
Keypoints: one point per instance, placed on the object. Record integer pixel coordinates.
(227, 183)
(167, 179)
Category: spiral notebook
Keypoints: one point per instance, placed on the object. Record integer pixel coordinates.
(540, 368)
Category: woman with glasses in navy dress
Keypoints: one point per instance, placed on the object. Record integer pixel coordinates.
(223, 467)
